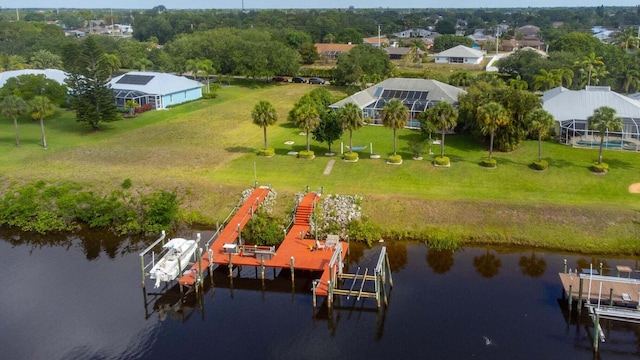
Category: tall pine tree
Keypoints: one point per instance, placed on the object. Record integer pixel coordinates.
(88, 81)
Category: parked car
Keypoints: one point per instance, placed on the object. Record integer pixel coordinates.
(316, 80)
(280, 79)
(299, 80)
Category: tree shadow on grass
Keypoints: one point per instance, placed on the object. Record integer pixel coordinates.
(618, 164)
(240, 149)
(560, 163)
(255, 83)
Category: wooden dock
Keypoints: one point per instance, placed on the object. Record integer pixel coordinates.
(296, 252)
(618, 291)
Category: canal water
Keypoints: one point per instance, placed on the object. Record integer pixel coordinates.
(75, 297)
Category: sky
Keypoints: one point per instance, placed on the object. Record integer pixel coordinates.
(297, 4)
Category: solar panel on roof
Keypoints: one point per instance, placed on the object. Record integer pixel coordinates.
(135, 79)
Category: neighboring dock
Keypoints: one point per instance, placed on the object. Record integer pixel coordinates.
(606, 297)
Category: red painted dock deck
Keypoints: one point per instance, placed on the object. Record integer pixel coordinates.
(303, 251)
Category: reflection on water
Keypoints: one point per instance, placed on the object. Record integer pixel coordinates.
(80, 297)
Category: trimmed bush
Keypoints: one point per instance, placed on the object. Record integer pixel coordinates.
(306, 154)
(599, 168)
(395, 159)
(489, 163)
(442, 161)
(540, 165)
(351, 156)
(266, 152)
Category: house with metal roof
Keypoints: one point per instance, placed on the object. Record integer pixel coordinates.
(415, 94)
(572, 108)
(460, 55)
(160, 90)
(53, 74)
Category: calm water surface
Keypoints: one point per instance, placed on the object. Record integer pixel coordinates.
(81, 298)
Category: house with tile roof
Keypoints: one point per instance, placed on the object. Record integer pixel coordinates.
(332, 51)
(416, 94)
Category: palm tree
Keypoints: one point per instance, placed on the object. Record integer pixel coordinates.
(13, 106)
(599, 73)
(461, 78)
(263, 115)
(604, 119)
(491, 116)
(131, 105)
(350, 118)
(627, 39)
(631, 80)
(540, 121)
(546, 80)
(588, 64)
(41, 107)
(204, 68)
(44, 59)
(442, 116)
(11, 62)
(110, 62)
(395, 116)
(518, 83)
(565, 76)
(306, 118)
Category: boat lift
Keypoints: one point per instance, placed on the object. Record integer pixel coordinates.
(379, 277)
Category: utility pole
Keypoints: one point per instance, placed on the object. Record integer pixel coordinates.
(17, 15)
(379, 37)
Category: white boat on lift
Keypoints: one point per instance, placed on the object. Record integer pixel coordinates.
(178, 252)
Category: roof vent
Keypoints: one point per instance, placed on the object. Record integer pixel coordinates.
(597, 88)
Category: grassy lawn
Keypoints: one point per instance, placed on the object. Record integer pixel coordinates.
(206, 149)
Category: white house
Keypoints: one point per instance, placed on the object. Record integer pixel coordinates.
(160, 90)
(572, 108)
(53, 74)
(460, 55)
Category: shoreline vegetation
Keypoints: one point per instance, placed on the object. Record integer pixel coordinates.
(204, 152)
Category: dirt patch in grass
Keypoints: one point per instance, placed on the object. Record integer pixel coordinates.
(634, 188)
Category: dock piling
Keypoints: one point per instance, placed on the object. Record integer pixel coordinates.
(611, 297)
(570, 295)
(293, 262)
(565, 266)
(230, 266)
(596, 332)
(580, 295)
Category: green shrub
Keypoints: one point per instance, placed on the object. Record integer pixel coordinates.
(599, 168)
(44, 208)
(160, 211)
(442, 161)
(126, 184)
(263, 229)
(540, 165)
(306, 154)
(395, 159)
(351, 156)
(489, 163)
(363, 231)
(266, 152)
